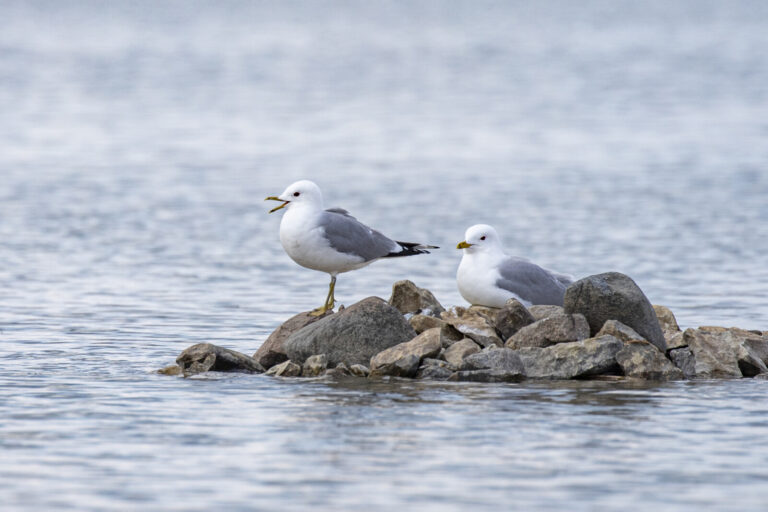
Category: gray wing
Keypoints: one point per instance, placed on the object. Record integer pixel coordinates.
(348, 235)
(531, 282)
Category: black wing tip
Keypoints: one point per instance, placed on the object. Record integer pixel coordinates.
(411, 249)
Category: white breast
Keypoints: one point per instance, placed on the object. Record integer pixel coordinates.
(476, 279)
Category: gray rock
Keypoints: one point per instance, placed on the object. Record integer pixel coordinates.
(271, 352)
(667, 320)
(456, 353)
(614, 296)
(683, 358)
(551, 330)
(353, 335)
(758, 346)
(474, 325)
(359, 370)
(205, 357)
(721, 352)
(577, 359)
(640, 359)
(539, 311)
(618, 330)
(285, 369)
(341, 370)
(486, 312)
(409, 298)
(511, 318)
(315, 365)
(421, 323)
(434, 369)
(394, 360)
(675, 340)
(500, 365)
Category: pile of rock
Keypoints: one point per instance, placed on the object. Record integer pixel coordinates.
(606, 329)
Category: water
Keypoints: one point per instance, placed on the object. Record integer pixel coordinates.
(138, 141)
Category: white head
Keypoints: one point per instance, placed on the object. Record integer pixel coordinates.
(301, 192)
(480, 238)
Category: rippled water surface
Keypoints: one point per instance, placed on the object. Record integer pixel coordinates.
(138, 140)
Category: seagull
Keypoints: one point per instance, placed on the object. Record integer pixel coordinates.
(489, 277)
(331, 240)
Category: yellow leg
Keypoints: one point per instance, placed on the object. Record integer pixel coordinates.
(329, 300)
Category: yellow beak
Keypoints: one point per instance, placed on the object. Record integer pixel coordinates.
(463, 245)
(273, 198)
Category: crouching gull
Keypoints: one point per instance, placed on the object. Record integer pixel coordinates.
(489, 277)
(331, 240)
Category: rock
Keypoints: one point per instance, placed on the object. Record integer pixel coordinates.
(271, 352)
(205, 357)
(721, 352)
(314, 365)
(675, 340)
(758, 346)
(421, 323)
(285, 369)
(667, 320)
(359, 370)
(397, 360)
(341, 370)
(623, 332)
(456, 353)
(576, 359)
(434, 369)
(409, 298)
(500, 365)
(551, 330)
(511, 318)
(762, 376)
(173, 369)
(473, 325)
(683, 359)
(539, 311)
(353, 335)
(614, 296)
(642, 360)
(486, 312)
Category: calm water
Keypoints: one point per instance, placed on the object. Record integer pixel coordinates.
(138, 141)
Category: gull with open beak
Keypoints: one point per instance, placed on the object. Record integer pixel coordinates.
(488, 277)
(331, 240)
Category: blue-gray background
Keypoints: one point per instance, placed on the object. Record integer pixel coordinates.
(138, 140)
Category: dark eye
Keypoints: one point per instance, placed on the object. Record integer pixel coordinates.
(482, 237)
(296, 194)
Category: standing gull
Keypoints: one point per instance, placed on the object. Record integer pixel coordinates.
(488, 277)
(331, 240)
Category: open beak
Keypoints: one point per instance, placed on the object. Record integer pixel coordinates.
(463, 245)
(273, 198)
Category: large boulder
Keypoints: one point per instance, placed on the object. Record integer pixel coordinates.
(410, 299)
(352, 335)
(642, 360)
(271, 352)
(398, 360)
(614, 296)
(593, 356)
(473, 324)
(551, 330)
(205, 357)
(721, 352)
(511, 318)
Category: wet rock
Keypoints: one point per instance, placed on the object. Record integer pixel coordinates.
(456, 353)
(539, 311)
(359, 370)
(397, 360)
(618, 330)
(205, 357)
(341, 370)
(421, 323)
(173, 369)
(285, 369)
(315, 365)
(353, 335)
(576, 359)
(721, 352)
(551, 330)
(762, 376)
(474, 325)
(614, 296)
(434, 369)
(500, 365)
(271, 352)
(683, 359)
(667, 320)
(409, 298)
(675, 340)
(511, 318)
(642, 360)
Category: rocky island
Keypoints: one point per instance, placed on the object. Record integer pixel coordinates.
(607, 329)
